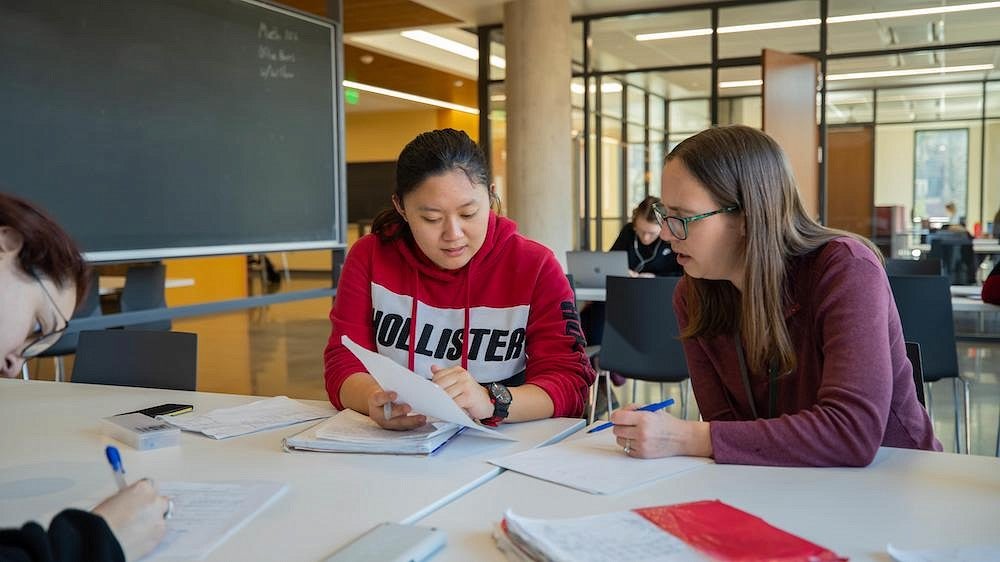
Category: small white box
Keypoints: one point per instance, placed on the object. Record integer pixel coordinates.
(141, 431)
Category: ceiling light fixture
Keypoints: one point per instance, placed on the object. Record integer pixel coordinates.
(410, 97)
(450, 45)
(875, 74)
(606, 88)
(816, 21)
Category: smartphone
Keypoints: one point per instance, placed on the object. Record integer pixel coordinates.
(392, 542)
(164, 410)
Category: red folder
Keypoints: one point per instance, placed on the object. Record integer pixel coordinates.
(725, 533)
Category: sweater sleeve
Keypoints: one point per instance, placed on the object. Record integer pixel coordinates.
(556, 361)
(851, 303)
(351, 315)
(73, 536)
(705, 381)
(991, 289)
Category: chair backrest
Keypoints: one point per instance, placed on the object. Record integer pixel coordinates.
(151, 359)
(90, 307)
(913, 354)
(958, 258)
(913, 267)
(924, 305)
(641, 337)
(145, 288)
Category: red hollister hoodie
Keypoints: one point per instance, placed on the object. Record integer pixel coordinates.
(509, 315)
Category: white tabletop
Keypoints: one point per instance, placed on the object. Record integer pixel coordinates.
(912, 499)
(51, 441)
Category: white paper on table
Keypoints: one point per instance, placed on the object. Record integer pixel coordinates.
(957, 553)
(421, 394)
(595, 464)
(624, 535)
(270, 413)
(205, 514)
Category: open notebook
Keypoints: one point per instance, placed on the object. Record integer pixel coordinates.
(351, 432)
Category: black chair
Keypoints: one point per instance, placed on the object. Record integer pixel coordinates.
(641, 336)
(924, 304)
(913, 267)
(146, 358)
(913, 354)
(66, 345)
(958, 258)
(145, 288)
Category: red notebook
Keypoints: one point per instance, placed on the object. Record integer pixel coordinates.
(725, 533)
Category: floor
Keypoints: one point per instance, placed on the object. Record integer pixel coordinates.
(279, 350)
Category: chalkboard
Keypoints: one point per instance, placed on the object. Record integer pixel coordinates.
(158, 128)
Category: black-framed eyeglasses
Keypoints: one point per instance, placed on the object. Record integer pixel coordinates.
(678, 226)
(44, 341)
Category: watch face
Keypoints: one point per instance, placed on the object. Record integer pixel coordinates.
(500, 393)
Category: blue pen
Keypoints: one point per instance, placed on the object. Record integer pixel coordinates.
(116, 465)
(647, 408)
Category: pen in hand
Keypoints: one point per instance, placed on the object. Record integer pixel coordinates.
(116, 465)
(647, 408)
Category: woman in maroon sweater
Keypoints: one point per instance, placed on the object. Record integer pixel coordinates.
(790, 330)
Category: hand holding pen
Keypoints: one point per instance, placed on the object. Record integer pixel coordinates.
(136, 514)
(647, 408)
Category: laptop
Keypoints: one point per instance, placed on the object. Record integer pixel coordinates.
(590, 270)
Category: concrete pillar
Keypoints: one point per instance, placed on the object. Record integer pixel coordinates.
(540, 192)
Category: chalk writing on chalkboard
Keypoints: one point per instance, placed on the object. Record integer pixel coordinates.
(274, 53)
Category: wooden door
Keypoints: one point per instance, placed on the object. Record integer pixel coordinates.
(850, 191)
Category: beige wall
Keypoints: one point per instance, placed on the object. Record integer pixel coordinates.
(894, 164)
(991, 202)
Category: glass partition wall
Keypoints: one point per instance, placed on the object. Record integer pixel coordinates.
(920, 73)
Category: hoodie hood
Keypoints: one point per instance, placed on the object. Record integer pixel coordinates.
(499, 231)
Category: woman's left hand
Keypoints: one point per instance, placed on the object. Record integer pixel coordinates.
(650, 435)
(464, 390)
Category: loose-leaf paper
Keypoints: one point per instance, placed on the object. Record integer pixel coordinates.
(421, 394)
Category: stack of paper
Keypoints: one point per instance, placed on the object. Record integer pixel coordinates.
(687, 532)
(351, 432)
(279, 411)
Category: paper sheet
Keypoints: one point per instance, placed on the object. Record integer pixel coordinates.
(421, 394)
(595, 464)
(205, 514)
(623, 535)
(957, 553)
(271, 413)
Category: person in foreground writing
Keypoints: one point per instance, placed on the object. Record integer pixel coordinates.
(42, 278)
(792, 337)
(448, 288)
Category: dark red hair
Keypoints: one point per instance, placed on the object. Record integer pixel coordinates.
(47, 248)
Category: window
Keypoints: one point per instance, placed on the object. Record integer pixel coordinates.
(941, 164)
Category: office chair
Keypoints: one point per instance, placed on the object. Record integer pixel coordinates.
(66, 345)
(924, 305)
(145, 288)
(913, 267)
(913, 354)
(145, 358)
(641, 336)
(958, 258)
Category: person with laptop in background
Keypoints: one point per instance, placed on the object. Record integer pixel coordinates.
(42, 279)
(448, 288)
(791, 334)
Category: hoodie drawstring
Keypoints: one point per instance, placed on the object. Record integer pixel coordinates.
(411, 356)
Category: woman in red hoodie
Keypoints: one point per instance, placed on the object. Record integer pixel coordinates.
(792, 337)
(446, 287)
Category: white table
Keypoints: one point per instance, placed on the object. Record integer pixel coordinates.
(908, 498)
(49, 436)
(111, 284)
(979, 246)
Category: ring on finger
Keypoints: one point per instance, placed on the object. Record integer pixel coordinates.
(628, 446)
(170, 510)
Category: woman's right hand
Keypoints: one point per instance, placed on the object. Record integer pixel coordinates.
(399, 420)
(136, 516)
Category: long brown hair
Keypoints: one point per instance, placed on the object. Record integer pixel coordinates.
(430, 154)
(47, 248)
(744, 167)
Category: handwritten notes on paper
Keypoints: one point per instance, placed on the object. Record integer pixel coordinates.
(205, 514)
(270, 413)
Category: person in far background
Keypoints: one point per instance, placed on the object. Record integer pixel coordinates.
(42, 278)
(648, 256)
(991, 288)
